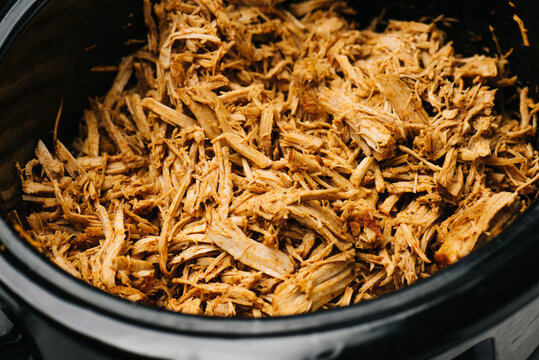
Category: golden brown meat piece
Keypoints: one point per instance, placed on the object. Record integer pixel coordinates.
(484, 218)
(254, 160)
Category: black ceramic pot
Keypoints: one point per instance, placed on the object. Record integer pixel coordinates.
(485, 306)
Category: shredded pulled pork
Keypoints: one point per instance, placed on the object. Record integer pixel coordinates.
(256, 161)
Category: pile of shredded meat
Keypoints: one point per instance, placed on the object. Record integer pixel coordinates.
(252, 160)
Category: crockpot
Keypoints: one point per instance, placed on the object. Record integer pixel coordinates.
(484, 307)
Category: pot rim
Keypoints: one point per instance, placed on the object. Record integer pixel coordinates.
(412, 299)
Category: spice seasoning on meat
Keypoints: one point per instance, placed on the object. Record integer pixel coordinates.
(257, 161)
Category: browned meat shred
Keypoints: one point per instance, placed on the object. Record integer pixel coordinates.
(271, 161)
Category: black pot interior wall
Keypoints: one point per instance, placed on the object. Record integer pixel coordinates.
(52, 55)
(51, 59)
(471, 33)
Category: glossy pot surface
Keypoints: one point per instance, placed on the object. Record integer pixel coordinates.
(47, 49)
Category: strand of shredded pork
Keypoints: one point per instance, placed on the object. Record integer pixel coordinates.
(255, 161)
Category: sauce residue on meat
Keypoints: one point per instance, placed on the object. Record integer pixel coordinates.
(251, 160)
